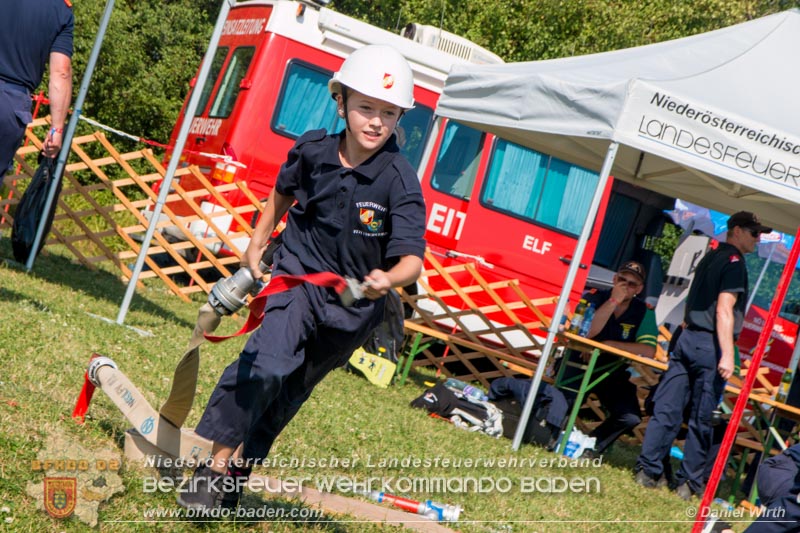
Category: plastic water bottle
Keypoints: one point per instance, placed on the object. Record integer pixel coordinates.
(577, 318)
(475, 393)
(725, 504)
(466, 389)
(586, 323)
(676, 452)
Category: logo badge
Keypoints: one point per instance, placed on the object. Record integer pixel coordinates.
(626, 331)
(366, 216)
(388, 81)
(60, 496)
(147, 426)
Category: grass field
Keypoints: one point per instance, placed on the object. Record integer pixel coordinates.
(49, 327)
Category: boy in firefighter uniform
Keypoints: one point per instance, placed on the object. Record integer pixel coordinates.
(624, 321)
(703, 359)
(355, 208)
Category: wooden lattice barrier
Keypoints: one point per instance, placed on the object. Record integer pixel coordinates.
(457, 325)
(103, 211)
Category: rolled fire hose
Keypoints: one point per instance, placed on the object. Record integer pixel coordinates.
(162, 429)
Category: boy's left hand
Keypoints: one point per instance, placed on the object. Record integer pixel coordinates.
(376, 284)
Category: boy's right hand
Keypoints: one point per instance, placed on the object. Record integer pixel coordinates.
(252, 259)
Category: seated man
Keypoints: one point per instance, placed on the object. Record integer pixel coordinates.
(623, 321)
(779, 490)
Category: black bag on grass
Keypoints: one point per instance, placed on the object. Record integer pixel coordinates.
(30, 210)
(473, 415)
(441, 401)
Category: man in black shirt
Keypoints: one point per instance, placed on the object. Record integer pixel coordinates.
(35, 34)
(624, 321)
(703, 358)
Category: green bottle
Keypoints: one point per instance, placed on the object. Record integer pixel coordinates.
(577, 318)
(784, 386)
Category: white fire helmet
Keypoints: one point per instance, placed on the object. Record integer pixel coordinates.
(378, 71)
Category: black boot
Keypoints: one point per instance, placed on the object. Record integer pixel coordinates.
(205, 491)
(230, 500)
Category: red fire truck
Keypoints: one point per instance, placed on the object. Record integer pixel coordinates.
(515, 210)
(268, 85)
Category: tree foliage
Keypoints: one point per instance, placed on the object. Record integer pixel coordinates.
(527, 30)
(153, 48)
(149, 54)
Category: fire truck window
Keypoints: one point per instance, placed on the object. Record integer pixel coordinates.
(305, 103)
(534, 186)
(229, 89)
(457, 162)
(211, 80)
(617, 230)
(412, 132)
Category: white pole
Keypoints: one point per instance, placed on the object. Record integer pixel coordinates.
(577, 255)
(176, 157)
(71, 126)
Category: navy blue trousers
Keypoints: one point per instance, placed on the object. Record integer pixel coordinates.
(305, 334)
(15, 114)
(692, 376)
(617, 395)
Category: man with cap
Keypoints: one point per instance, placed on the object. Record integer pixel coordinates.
(623, 321)
(703, 358)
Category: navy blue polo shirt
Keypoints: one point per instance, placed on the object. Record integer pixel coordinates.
(33, 29)
(721, 270)
(350, 221)
(636, 324)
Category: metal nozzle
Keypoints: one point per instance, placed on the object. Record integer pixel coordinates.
(230, 294)
(96, 364)
(353, 291)
(442, 511)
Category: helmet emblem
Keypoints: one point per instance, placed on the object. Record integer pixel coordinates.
(388, 81)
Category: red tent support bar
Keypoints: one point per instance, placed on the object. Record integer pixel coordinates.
(741, 401)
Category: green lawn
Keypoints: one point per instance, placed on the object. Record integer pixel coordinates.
(48, 332)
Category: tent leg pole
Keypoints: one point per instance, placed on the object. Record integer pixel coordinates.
(188, 116)
(563, 298)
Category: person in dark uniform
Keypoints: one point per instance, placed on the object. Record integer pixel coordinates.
(355, 207)
(623, 321)
(703, 358)
(35, 34)
(779, 491)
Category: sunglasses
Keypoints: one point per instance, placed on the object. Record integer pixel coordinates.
(755, 233)
(629, 282)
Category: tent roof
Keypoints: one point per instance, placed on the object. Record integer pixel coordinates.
(709, 118)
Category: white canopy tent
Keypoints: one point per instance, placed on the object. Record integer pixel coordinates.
(709, 118)
(699, 118)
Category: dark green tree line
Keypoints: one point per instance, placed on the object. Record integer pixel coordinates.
(153, 48)
(151, 51)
